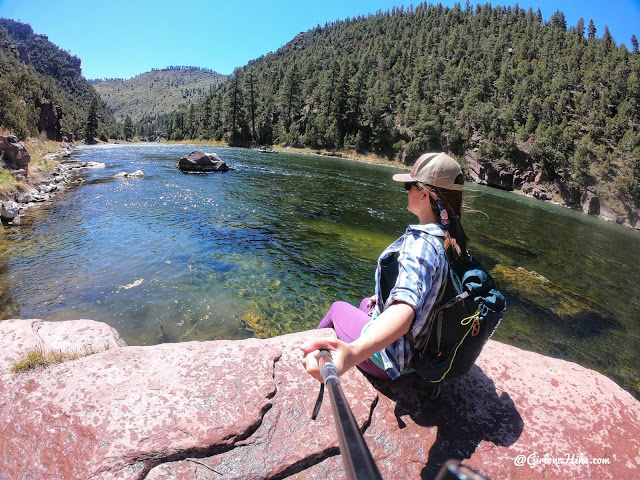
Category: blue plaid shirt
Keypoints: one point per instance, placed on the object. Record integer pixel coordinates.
(422, 270)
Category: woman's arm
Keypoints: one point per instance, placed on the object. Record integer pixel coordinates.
(390, 325)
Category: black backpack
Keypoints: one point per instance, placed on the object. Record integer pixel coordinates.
(468, 311)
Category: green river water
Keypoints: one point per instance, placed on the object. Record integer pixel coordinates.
(265, 249)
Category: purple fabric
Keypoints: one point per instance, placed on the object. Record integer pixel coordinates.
(348, 322)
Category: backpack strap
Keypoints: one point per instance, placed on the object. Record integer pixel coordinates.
(454, 300)
(455, 351)
(437, 308)
(435, 312)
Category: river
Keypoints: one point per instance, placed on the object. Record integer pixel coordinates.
(265, 248)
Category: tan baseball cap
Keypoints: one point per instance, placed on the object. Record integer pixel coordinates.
(436, 169)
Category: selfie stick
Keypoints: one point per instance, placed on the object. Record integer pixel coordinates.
(356, 457)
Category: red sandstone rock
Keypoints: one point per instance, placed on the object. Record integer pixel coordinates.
(242, 409)
(19, 336)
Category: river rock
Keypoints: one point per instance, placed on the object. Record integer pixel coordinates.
(20, 175)
(92, 165)
(9, 210)
(540, 194)
(136, 174)
(14, 153)
(48, 188)
(241, 409)
(199, 161)
(607, 213)
(22, 335)
(33, 195)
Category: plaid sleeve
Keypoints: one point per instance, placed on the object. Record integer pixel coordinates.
(421, 273)
(417, 264)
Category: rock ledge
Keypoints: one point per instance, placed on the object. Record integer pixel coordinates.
(241, 409)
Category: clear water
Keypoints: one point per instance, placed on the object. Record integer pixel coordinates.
(265, 248)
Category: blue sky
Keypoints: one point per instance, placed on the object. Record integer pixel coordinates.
(122, 38)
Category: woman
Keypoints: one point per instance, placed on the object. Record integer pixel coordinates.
(380, 335)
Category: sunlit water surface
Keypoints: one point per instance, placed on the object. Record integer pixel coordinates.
(265, 248)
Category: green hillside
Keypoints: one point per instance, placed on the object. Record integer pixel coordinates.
(36, 75)
(157, 92)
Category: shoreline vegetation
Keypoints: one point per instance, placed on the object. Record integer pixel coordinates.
(46, 158)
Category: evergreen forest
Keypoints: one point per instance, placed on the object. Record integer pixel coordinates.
(35, 73)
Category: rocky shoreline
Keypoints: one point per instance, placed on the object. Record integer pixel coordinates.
(533, 184)
(43, 185)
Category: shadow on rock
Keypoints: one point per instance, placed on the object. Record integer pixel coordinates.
(467, 411)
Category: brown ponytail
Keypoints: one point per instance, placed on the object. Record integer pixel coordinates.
(455, 243)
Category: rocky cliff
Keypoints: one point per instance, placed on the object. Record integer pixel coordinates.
(241, 409)
(534, 184)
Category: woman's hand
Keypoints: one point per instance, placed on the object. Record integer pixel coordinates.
(341, 353)
(372, 301)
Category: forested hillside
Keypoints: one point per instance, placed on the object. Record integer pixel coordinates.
(35, 76)
(146, 96)
(502, 85)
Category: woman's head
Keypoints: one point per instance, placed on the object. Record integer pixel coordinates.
(435, 169)
(441, 176)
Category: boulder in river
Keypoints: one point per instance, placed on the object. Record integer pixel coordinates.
(9, 210)
(136, 174)
(199, 161)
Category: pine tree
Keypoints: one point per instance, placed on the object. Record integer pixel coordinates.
(580, 28)
(592, 30)
(558, 20)
(252, 105)
(607, 38)
(91, 127)
(128, 128)
(290, 96)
